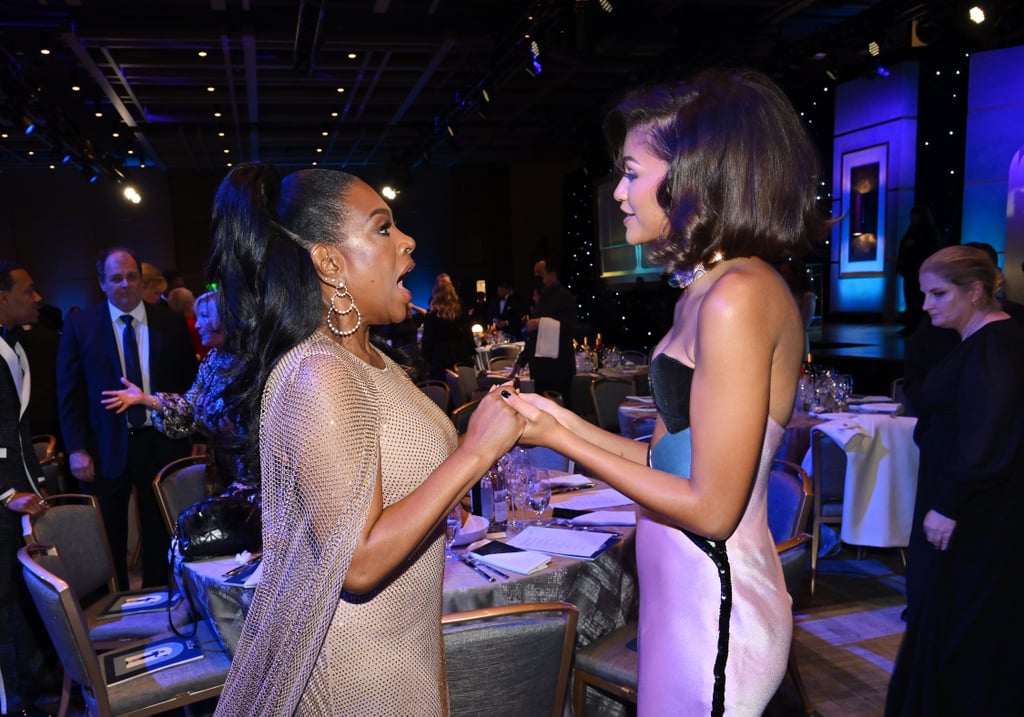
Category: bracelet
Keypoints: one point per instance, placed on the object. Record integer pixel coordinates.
(6, 501)
(649, 456)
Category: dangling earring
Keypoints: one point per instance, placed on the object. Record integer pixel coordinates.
(340, 294)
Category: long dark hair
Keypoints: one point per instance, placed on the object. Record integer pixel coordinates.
(270, 297)
(742, 175)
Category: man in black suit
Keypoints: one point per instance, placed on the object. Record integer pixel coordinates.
(21, 490)
(553, 362)
(508, 310)
(111, 453)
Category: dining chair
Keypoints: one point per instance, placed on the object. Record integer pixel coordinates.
(461, 415)
(497, 363)
(74, 524)
(468, 380)
(438, 391)
(106, 689)
(503, 351)
(828, 472)
(51, 460)
(454, 387)
(541, 457)
(607, 394)
(510, 660)
(178, 485)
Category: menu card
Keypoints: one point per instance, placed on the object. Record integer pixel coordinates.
(591, 500)
(585, 544)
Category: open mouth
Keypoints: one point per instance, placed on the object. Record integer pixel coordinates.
(401, 279)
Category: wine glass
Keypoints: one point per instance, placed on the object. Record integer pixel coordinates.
(453, 524)
(538, 495)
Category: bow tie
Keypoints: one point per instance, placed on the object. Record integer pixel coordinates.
(11, 336)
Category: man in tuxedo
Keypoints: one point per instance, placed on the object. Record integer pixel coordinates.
(21, 491)
(551, 358)
(111, 453)
(508, 310)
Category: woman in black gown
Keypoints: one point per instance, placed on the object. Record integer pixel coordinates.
(965, 572)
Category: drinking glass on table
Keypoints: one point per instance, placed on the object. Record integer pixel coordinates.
(453, 525)
(538, 495)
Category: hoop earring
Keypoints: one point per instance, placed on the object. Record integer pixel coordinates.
(341, 293)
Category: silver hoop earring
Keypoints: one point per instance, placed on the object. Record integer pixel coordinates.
(340, 294)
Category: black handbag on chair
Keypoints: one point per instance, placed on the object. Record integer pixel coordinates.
(222, 525)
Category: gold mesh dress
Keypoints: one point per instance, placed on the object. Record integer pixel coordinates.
(329, 423)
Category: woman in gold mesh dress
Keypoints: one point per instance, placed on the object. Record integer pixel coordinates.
(358, 466)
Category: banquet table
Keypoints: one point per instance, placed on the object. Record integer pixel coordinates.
(604, 589)
(881, 476)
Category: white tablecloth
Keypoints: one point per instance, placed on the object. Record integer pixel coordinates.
(881, 477)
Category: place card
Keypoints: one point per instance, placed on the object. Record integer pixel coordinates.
(586, 544)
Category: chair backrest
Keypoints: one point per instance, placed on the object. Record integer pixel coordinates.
(178, 485)
(497, 363)
(62, 615)
(896, 391)
(74, 524)
(541, 457)
(789, 500)
(828, 461)
(468, 381)
(438, 391)
(503, 351)
(454, 387)
(461, 415)
(45, 445)
(515, 659)
(607, 395)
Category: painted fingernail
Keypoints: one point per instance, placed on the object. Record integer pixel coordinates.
(505, 394)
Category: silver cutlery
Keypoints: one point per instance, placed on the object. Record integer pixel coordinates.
(471, 564)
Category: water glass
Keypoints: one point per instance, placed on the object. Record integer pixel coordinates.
(538, 495)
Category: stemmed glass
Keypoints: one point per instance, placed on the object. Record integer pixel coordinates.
(453, 524)
(516, 467)
(538, 495)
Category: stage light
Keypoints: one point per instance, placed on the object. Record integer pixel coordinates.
(131, 194)
(976, 14)
(389, 192)
(874, 49)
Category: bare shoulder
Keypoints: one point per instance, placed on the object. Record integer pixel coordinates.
(748, 291)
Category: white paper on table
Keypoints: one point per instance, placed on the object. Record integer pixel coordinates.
(523, 562)
(573, 480)
(606, 517)
(591, 500)
(572, 543)
(853, 400)
(876, 408)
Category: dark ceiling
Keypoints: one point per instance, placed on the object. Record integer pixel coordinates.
(437, 82)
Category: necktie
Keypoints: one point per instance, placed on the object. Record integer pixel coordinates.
(132, 369)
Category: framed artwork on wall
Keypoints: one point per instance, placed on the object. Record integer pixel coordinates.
(862, 229)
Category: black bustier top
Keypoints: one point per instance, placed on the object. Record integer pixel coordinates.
(670, 382)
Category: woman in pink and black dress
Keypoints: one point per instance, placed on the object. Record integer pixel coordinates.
(719, 175)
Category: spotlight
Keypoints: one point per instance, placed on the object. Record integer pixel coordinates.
(874, 49)
(131, 194)
(389, 192)
(976, 14)
(881, 71)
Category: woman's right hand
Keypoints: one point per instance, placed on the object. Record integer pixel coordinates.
(494, 425)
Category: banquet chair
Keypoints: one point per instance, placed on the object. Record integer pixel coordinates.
(51, 460)
(828, 472)
(178, 485)
(468, 380)
(511, 660)
(74, 524)
(501, 351)
(455, 393)
(147, 693)
(607, 394)
(438, 391)
(610, 663)
(541, 457)
(461, 415)
(497, 363)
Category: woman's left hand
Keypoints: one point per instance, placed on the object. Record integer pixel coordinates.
(120, 400)
(938, 529)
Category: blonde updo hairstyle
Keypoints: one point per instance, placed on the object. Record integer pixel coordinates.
(964, 265)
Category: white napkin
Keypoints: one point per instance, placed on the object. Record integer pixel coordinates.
(842, 432)
(853, 400)
(876, 408)
(591, 499)
(606, 517)
(547, 338)
(523, 562)
(574, 480)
